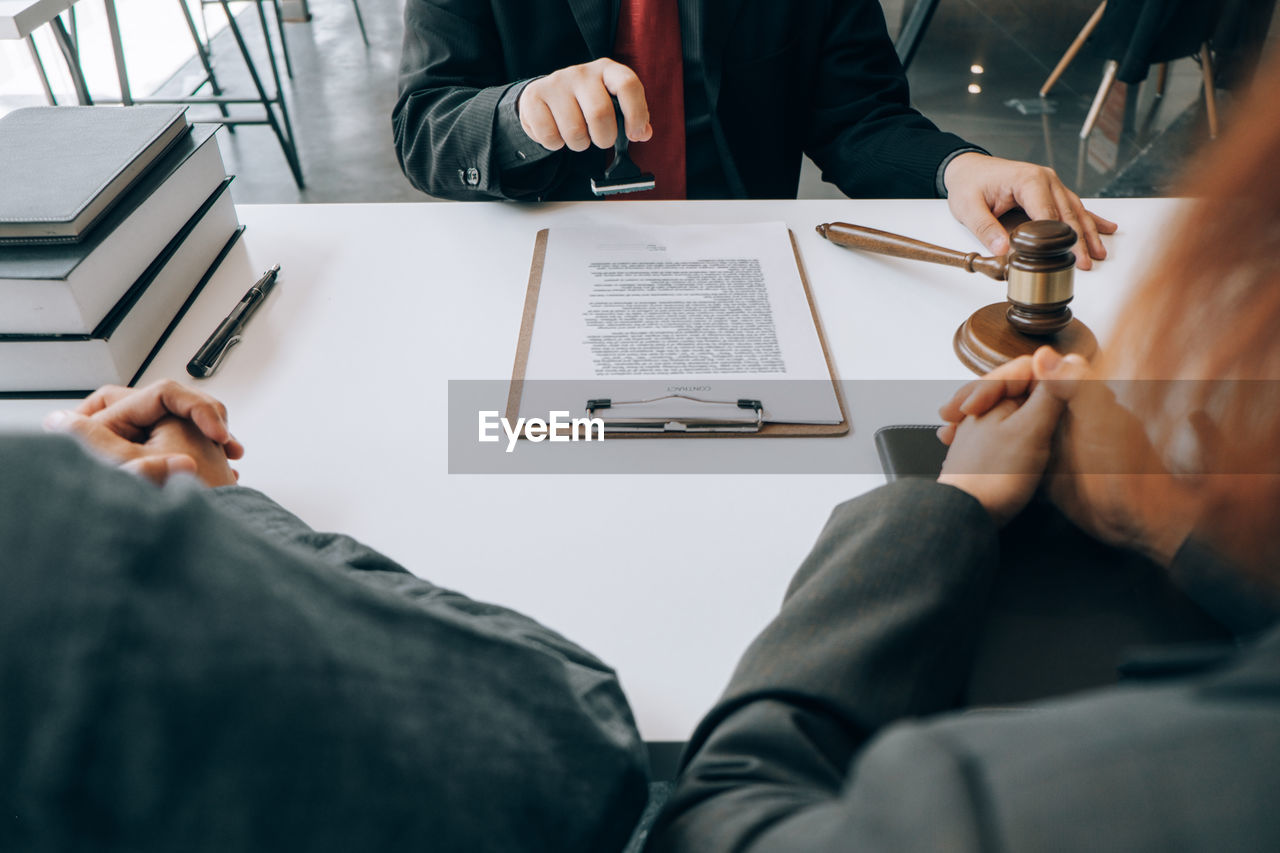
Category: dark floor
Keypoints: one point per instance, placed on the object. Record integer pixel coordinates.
(339, 100)
(1017, 43)
(341, 96)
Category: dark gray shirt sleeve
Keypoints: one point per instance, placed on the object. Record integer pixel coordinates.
(514, 146)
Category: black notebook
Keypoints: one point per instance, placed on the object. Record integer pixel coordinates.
(64, 167)
(911, 450)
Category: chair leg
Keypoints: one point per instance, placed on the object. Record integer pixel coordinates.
(71, 56)
(284, 45)
(1210, 99)
(44, 77)
(203, 53)
(117, 48)
(360, 21)
(1108, 80)
(1162, 78)
(266, 39)
(284, 135)
(1070, 55)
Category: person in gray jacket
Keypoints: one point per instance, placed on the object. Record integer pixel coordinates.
(191, 667)
(846, 724)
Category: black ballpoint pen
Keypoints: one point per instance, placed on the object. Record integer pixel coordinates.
(227, 335)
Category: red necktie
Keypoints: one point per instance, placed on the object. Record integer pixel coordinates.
(648, 43)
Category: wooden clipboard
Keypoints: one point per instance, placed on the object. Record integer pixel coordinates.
(768, 429)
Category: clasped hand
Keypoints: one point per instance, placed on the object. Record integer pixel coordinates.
(1000, 429)
(1044, 420)
(155, 432)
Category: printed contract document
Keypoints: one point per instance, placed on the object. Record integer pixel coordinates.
(713, 313)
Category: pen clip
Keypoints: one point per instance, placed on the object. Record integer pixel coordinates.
(205, 362)
(231, 341)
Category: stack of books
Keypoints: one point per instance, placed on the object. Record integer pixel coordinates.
(111, 221)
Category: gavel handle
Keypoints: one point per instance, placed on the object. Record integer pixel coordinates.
(884, 243)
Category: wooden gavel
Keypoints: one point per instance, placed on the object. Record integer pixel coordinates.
(1039, 267)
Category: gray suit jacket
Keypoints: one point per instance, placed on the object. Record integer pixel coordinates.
(186, 669)
(838, 730)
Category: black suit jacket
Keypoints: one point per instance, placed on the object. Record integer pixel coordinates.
(838, 732)
(778, 78)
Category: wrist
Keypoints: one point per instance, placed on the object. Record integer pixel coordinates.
(512, 144)
(1164, 532)
(992, 491)
(218, 478)
(1163, 549)
(940, 179)
(515, 95)
(1166, 510)
(954, 167)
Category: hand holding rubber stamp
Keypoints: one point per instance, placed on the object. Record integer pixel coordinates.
(573, 107)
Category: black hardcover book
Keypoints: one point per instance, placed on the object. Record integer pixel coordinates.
(64, 167)
(68, 288)
(125, 340)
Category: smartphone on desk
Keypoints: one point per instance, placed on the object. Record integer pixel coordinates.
(910, 450)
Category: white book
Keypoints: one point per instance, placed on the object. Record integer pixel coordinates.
(70, 288)
(116, 352)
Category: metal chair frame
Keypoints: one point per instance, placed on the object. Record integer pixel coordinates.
(281, 126)
(1110, 70)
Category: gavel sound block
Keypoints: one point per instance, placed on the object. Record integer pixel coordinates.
(1039, 270)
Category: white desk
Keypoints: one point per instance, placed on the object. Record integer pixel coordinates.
(20, 18)
(339, 393)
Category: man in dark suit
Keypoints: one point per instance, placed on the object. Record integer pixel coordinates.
(191, 667)
(511, 99)
(834, 733)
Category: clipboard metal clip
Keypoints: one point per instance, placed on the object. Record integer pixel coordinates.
(747, 423)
